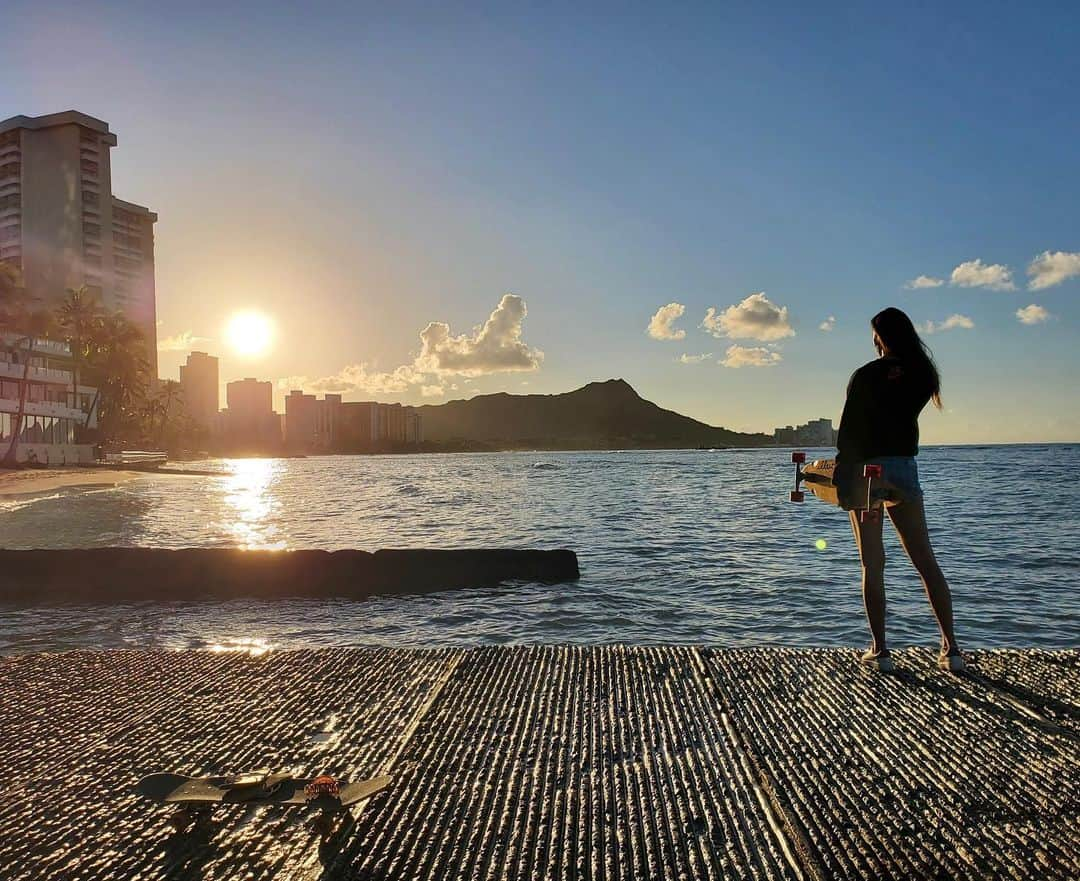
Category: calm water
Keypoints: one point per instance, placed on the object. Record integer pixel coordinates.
(675, 547)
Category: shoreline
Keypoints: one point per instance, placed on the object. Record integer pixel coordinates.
(34, 481)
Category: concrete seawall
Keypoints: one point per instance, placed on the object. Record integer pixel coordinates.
(551, 763)
(131, 574)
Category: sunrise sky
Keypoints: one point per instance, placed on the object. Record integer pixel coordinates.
(709, 202)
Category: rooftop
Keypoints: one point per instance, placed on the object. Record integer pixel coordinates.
(66, 117)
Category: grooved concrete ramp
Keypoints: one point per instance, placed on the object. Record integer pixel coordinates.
(550, 763)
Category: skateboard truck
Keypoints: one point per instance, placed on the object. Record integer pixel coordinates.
(870, 513)
(797, 495)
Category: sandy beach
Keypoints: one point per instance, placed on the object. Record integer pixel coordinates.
(34, 481)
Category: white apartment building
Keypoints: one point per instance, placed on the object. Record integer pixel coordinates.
(53, 409)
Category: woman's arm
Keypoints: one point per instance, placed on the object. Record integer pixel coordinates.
(853, 436)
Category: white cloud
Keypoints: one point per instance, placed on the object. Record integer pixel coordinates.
(924, 281)
(741, 356)
(356, 378)
(662, 324)
(1033, 314)
(694, 359)
(953, 322)
(976, 274)
(828, 324)
(1049, 269)
(497, 347)
(755, 318)
(181, 342)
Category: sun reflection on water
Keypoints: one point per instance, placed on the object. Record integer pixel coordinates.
(253, 504)
(253, 647)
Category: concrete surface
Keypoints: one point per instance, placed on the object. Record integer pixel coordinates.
(110, 575)
(550, 763)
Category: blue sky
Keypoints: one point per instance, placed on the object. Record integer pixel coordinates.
(357, 172)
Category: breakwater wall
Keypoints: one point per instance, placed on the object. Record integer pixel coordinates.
(132, 574)
(546, 762)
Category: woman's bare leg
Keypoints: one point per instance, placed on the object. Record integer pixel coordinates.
(909, 518)
(872, 555)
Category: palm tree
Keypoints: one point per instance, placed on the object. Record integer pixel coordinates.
(168, 392)
(119, 358)
(10, 285)
(79, 318)
(22, 324)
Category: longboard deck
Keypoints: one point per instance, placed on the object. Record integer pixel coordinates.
(178, 788)
(817, 478)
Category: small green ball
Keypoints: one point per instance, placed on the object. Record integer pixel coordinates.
(821, 544)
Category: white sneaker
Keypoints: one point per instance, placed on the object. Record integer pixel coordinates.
(880, 661)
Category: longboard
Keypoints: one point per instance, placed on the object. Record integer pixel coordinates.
(259, 789)
(869, 493)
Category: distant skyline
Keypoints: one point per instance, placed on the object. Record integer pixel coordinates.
(710, 203)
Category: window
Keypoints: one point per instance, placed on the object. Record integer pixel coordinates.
(12, 200)
(8, 138)
(9, 234)
(92, 229)
(89, 167)
(89, 197)
(11, 169)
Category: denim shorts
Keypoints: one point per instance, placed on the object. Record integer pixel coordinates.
(901, 472)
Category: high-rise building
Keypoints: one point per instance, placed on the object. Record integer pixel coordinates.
(350, 426)
(815, 433)
(61, 225)
(300, 420)
(249, 399)
(250, 422)
(199, 388)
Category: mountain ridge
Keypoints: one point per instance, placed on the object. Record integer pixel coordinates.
(607, 414)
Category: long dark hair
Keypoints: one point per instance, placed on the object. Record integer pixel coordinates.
(900, 338)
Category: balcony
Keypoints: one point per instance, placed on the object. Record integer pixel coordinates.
(36, 374)
(41, 347)
(44, 408)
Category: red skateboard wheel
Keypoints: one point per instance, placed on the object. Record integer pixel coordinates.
(798, 458)
(872, 471)
(869, 515)
(797, 495)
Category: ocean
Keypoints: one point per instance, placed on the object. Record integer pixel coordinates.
(675, 547)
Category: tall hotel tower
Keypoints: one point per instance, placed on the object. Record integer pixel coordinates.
(61, 225)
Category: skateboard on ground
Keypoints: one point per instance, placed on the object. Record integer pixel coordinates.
(197, 796)
(870, 492)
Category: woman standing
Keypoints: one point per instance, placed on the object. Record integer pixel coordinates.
(880, 425)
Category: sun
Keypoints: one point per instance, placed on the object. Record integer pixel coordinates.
(250, 334)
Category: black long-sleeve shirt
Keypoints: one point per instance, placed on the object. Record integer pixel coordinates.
(881, 413)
